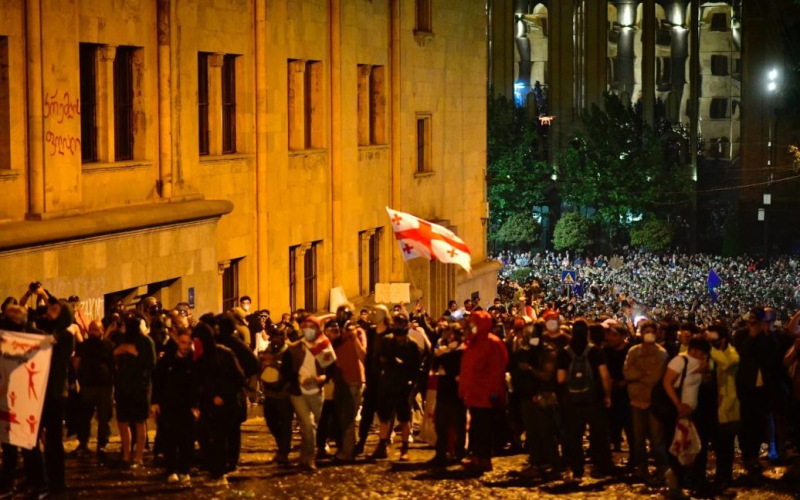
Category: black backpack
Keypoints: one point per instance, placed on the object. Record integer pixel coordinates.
(660, 403)
(580, 378)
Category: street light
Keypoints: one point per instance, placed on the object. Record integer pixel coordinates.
(772, 87)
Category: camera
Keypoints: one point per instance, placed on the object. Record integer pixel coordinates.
(35, 285)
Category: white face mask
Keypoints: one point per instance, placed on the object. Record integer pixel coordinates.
(551, 325)
(649, 338)
(474, 329)
(246, 307)
(453, 344)
(534, 341)
(309, 334)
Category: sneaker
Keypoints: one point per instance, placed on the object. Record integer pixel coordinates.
(219, 481)
(359, 449)
(437, 461)
(404, 455)
(185, 478)
(531, 472)
(380, 453)
(172, 478)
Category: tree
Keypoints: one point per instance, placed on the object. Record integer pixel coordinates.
(653, 234)
(517, 178)
(518, 232)
(572, 232)
(620, 167)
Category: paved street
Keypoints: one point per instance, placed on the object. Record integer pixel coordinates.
(258, 479)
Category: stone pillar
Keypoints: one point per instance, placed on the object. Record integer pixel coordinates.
(300, 270)
(262, 243)
(297, 105)
(679, 49)
(33, 45)
(164, 99)
(215, 103)
(648, 61)
(336, 140)
(105, 102)
(626, 56)
(398, 272)
(501, 71)
(522, 85)
(694, 101)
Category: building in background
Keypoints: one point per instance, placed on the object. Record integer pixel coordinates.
(558, 58)
(200, 151)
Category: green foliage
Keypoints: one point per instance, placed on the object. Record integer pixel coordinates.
(654, 235)
(517, 179)
(572, 232)
(521, 274)
(619, 166)
(518, 232)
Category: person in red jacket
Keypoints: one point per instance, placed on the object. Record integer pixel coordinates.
(482, 387)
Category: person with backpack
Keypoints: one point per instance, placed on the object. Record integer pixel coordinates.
(278, 409)
(586, 395)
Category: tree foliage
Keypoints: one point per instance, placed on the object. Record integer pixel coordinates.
(653, 234)
(572, 232)
(619, 166)
(517, 179)
(519, 232)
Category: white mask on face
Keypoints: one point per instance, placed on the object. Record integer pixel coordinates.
(551, 325)
(649, 338)
(534, 341)
(309, 334)
(474, 329)
(453, 344)
(246, 307)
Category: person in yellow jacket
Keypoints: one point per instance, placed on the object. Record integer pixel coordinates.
(725, 361)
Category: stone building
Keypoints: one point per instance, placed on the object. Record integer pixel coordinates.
(645, 52)
(199, 151)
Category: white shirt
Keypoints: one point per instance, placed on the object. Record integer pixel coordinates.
(308, 369)
(691, 385)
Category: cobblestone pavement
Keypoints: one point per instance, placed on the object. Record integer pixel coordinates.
(256, 478)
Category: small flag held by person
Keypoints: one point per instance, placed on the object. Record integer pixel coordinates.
(714, 281)
(420, 238)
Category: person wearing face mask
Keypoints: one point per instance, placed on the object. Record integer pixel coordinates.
(725, 361)
(643, 369)
(278, 409)
(375, 333)
(450, 414)
(400, 360)
(482, 385)
(552, 333)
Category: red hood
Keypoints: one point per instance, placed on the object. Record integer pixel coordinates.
(482, 320)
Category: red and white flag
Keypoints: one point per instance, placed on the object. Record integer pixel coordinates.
(420, 238)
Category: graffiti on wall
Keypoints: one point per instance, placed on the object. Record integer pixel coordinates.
(59, 107)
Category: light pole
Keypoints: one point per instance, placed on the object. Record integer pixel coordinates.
(772, 88)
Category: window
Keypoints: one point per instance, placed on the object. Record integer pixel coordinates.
(123, 103)
(306, 129)
(310, 277)
(369, 259)
(229, 104)
(88, 75)
(293, 278)
(424, 143)
(424, 16)
(230, 284)
(719, 108)
(719, 65)
(5, 104)
(202, 102)
(371, 105)
(719, 21)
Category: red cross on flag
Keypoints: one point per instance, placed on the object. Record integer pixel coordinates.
(420, 238)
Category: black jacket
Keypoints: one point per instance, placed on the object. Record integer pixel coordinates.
(222, 376)
(247, 360)
(176, 387)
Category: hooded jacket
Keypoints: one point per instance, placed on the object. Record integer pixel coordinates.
(57, 382)
(483, 366)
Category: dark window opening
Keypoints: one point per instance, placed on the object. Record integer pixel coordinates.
(719, 22)
(229, 104)
(202, 102)
(374, 259)
(88, 75)
(719, 108)
(293, 278)
(424, 16)
(230, 286)
(310, 278)
(123, 104)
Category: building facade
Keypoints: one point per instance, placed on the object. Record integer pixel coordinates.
(199, 151)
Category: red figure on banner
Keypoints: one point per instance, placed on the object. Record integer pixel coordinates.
(31, 386)
(12, 397)
(32, 422)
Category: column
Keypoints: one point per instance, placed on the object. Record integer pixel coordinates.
(105, 102)
(33, 45)
(648, 61)
(626, 17)
(262, 269)
(164, 100)
(215, 103)
(596, 52)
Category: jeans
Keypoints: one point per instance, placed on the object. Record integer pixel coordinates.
(97, 399)
(348, 399)
(481, 431)
(540, 433)
(451, 428)
(278, 412)
(177, 430)
(647, 427)
(576, 417)
(308, 408)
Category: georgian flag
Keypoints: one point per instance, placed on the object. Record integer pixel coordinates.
(322, 350)
(420, 238)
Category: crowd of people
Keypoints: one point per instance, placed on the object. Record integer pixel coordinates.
(633, 350)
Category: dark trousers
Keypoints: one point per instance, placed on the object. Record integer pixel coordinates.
(369, 406)
(95, 400)
(278, 412)
(34, 467)
(222, 425)
(620, 420)
(177, 430)
(450, 420)
(754, 411)
(234, 444)
(724, 438)
(52, 428)
(328, 426)
(540, 433)
(481, 431)
(576, 418)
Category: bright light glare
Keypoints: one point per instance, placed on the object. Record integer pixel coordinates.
(773, 74)
(772, 86)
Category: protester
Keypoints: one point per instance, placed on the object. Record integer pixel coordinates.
(351, 351)
(450, 415)
(278, 410)
(94, 365)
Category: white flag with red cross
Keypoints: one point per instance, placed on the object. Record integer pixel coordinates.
(420, 238)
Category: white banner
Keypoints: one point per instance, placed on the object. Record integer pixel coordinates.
(24, 368)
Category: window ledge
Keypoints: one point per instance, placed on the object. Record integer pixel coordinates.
(93, 168)
(375, 147)
(8, 174)
(418, 175)
(225, 157)
(307, 152)
(423, 37)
